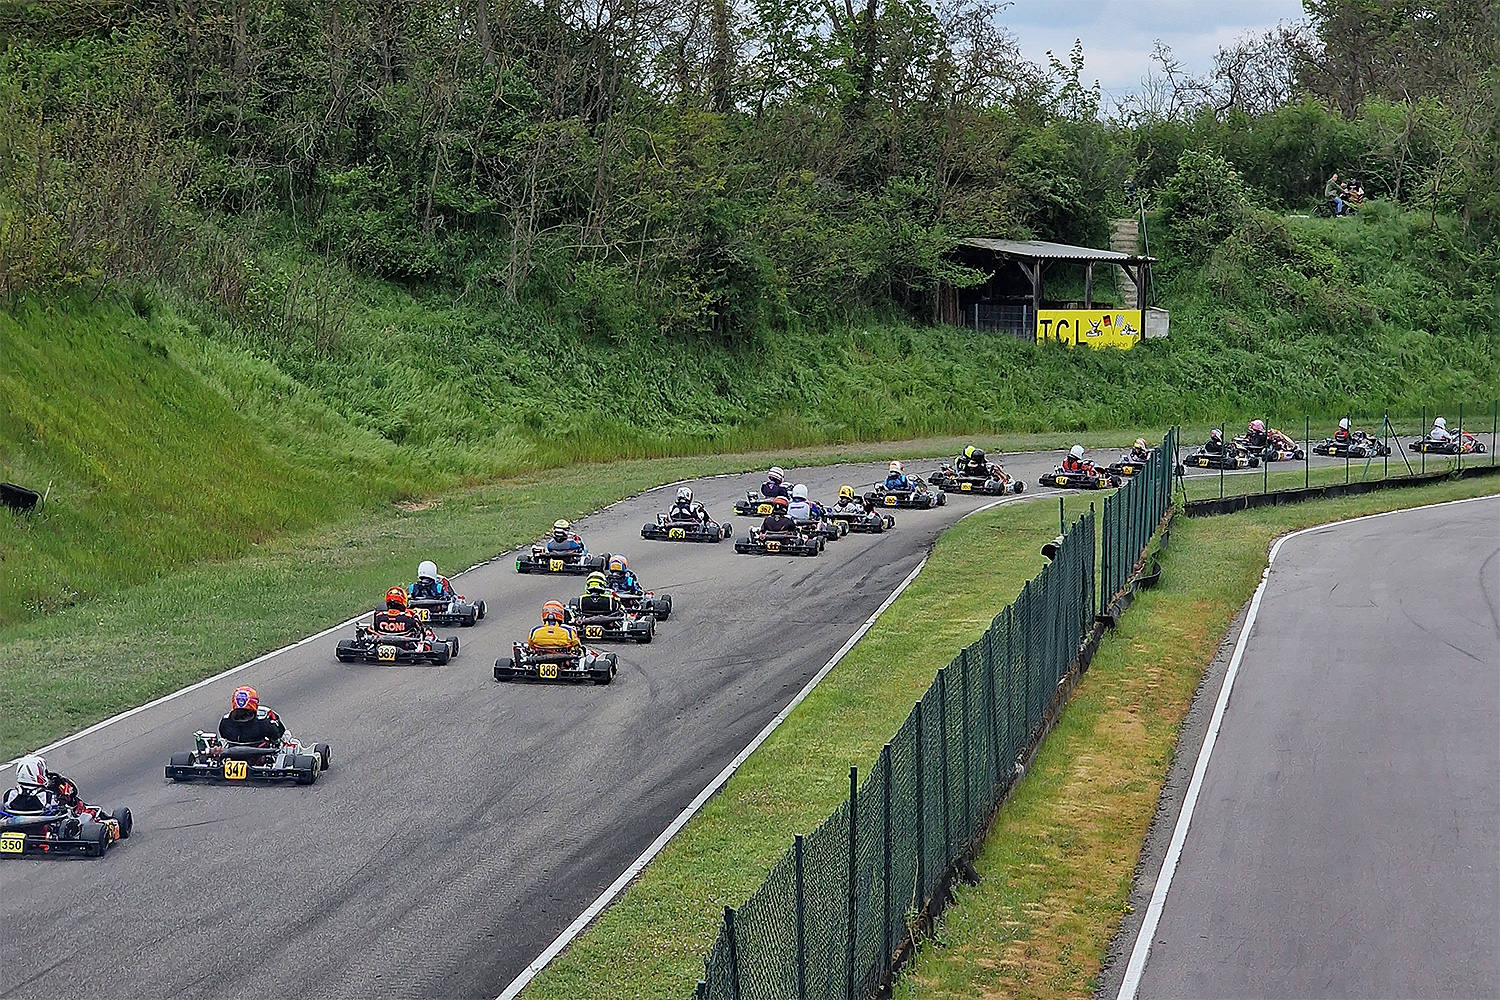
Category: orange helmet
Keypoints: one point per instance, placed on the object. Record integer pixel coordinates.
(553, 611)
(395, 597)
(244, 698)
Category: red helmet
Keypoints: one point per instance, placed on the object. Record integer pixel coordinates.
(395, 597)
(780, 503)
(244, 698)
(553, 611)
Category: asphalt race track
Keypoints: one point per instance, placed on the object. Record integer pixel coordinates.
(1346, 835)
(464, 823)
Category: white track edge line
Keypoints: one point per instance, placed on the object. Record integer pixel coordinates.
(639, 864)
(1138, 955)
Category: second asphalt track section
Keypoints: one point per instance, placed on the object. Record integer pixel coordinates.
(464, 823)
(1345, 837)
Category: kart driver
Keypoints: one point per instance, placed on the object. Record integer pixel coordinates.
(972, 463)
(1343, 435)
(1215, 443)
(395, 620)
(1138, 451)
(685, 508)
(777, 522)
(774, 485)
(563, 538)
(1439, 431)
(619, 576)
(597, 598)
(1280, 441)
(552, 636)
(802, 509)
(38, 790)
(1255, 434)
(896, 478)
(429, 585)
(847, 504)
(1074, 462)
(246, 722)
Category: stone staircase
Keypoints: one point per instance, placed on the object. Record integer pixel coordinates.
(1125, 237)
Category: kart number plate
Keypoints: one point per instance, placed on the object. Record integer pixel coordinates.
(676, 533)
(1203, 463)
(965, 487)
(421, 614)
(236, 770)
(890, 501)
(554, 565)
(1333, 451)
(1127, 469)
(764, 509)
(1061, 480)
(12, 843)
(773, 546)
(385, 654)
(593, 631)
(547, 671)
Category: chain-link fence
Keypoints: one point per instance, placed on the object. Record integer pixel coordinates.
(1131, 515)
(829, 920)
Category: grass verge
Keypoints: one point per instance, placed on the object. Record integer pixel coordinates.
(1056, 868)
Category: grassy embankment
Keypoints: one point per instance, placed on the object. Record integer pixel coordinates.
(1057, 865)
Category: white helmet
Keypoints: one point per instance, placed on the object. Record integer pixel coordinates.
(777, 474)
(31, 772)
(1440, 422)
(1140, 443)
(896, 467)
(1077, 451)
(427, 570)
(1343, 423)
(684, 493)
(799, 492)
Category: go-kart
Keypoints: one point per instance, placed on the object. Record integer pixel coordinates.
(1360, 445)
(779, 543)
(646, 602)
(667, 530)
(1090, 477)
(619, 626)
(825, 526)
(918, 497)
(544, 560)
(1465, 444)
(862, 520)
(455, 610)
(1230, 458)
(65, 831)
(996, 483)
(1129, 465)
(213, 759)
(533, 665)
(370, 646)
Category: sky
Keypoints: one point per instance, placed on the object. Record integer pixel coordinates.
(1118, 35)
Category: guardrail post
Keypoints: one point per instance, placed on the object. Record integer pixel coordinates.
(887, 925)
(801, 910)
(921, 768)
(734, 953)
(852, 915)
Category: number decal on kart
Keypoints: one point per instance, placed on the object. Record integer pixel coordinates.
(235, 770)
(554, 565)
(547, 671)
(773, 546)
(593, 631)
(385, 654)
(1333, 451)
(12, 843)
(1062, 480)
(421, 614)
(1203, 463)
(966, 487)
(890, 501)
(676, 532)
(764, 509)
(1127, 469)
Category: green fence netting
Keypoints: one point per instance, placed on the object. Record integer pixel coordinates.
(1131, 515)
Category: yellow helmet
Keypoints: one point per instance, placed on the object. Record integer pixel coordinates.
(846, 492)
(596, 581)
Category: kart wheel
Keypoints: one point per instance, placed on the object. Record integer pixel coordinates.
(181, 762)
(441, 654)
(126, 821)
(663, 607)
(452, 641)
(345, 651)
(98, 838)
(472, 618)
(324, 753)
(481, 609)
(1020, 486)
(306, 767)
(647, 635)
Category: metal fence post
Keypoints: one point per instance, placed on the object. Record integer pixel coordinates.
(1494, 426)
(1306, 451)
(1423, 431)
(1346, 450)
(963, 679)
(852, 915)
(943, 749)
(734, 953)
(887, 928)
(1385, 439)
(921, 767)
(1460, 437)
(701, 992)
(800, 897)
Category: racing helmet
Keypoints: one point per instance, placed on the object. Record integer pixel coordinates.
(395, 598)
(1077, 452)
(1343, 423)
(685, 494)
(1140, 443)
(969, 451)
(1216, 435)
(1258, 426)
(427, 570)
(777, 474)
(896, 467)
(799, 492)
(553, 611)
(244, 699)
(31, 772)
(977, 454)
(618, 564)
(560, 529)
(596, 581)
(1440, 422)
(779, 503)
(846, 492)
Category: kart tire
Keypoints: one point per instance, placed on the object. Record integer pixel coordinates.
(126, 821)
(324, 754)
(452, 642)
(648, 634)
(96, 835)
(306, 766)
(345, 651)
(726, 530)
(1020, 486)
(481, 609)
(180, 762)
(472, 618)
(663, 607)
(441, 654)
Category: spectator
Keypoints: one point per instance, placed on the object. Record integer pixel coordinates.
(1334, 192)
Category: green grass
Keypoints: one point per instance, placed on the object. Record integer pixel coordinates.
(1056, 867)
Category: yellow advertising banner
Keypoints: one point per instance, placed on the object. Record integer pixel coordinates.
(1094, 327)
